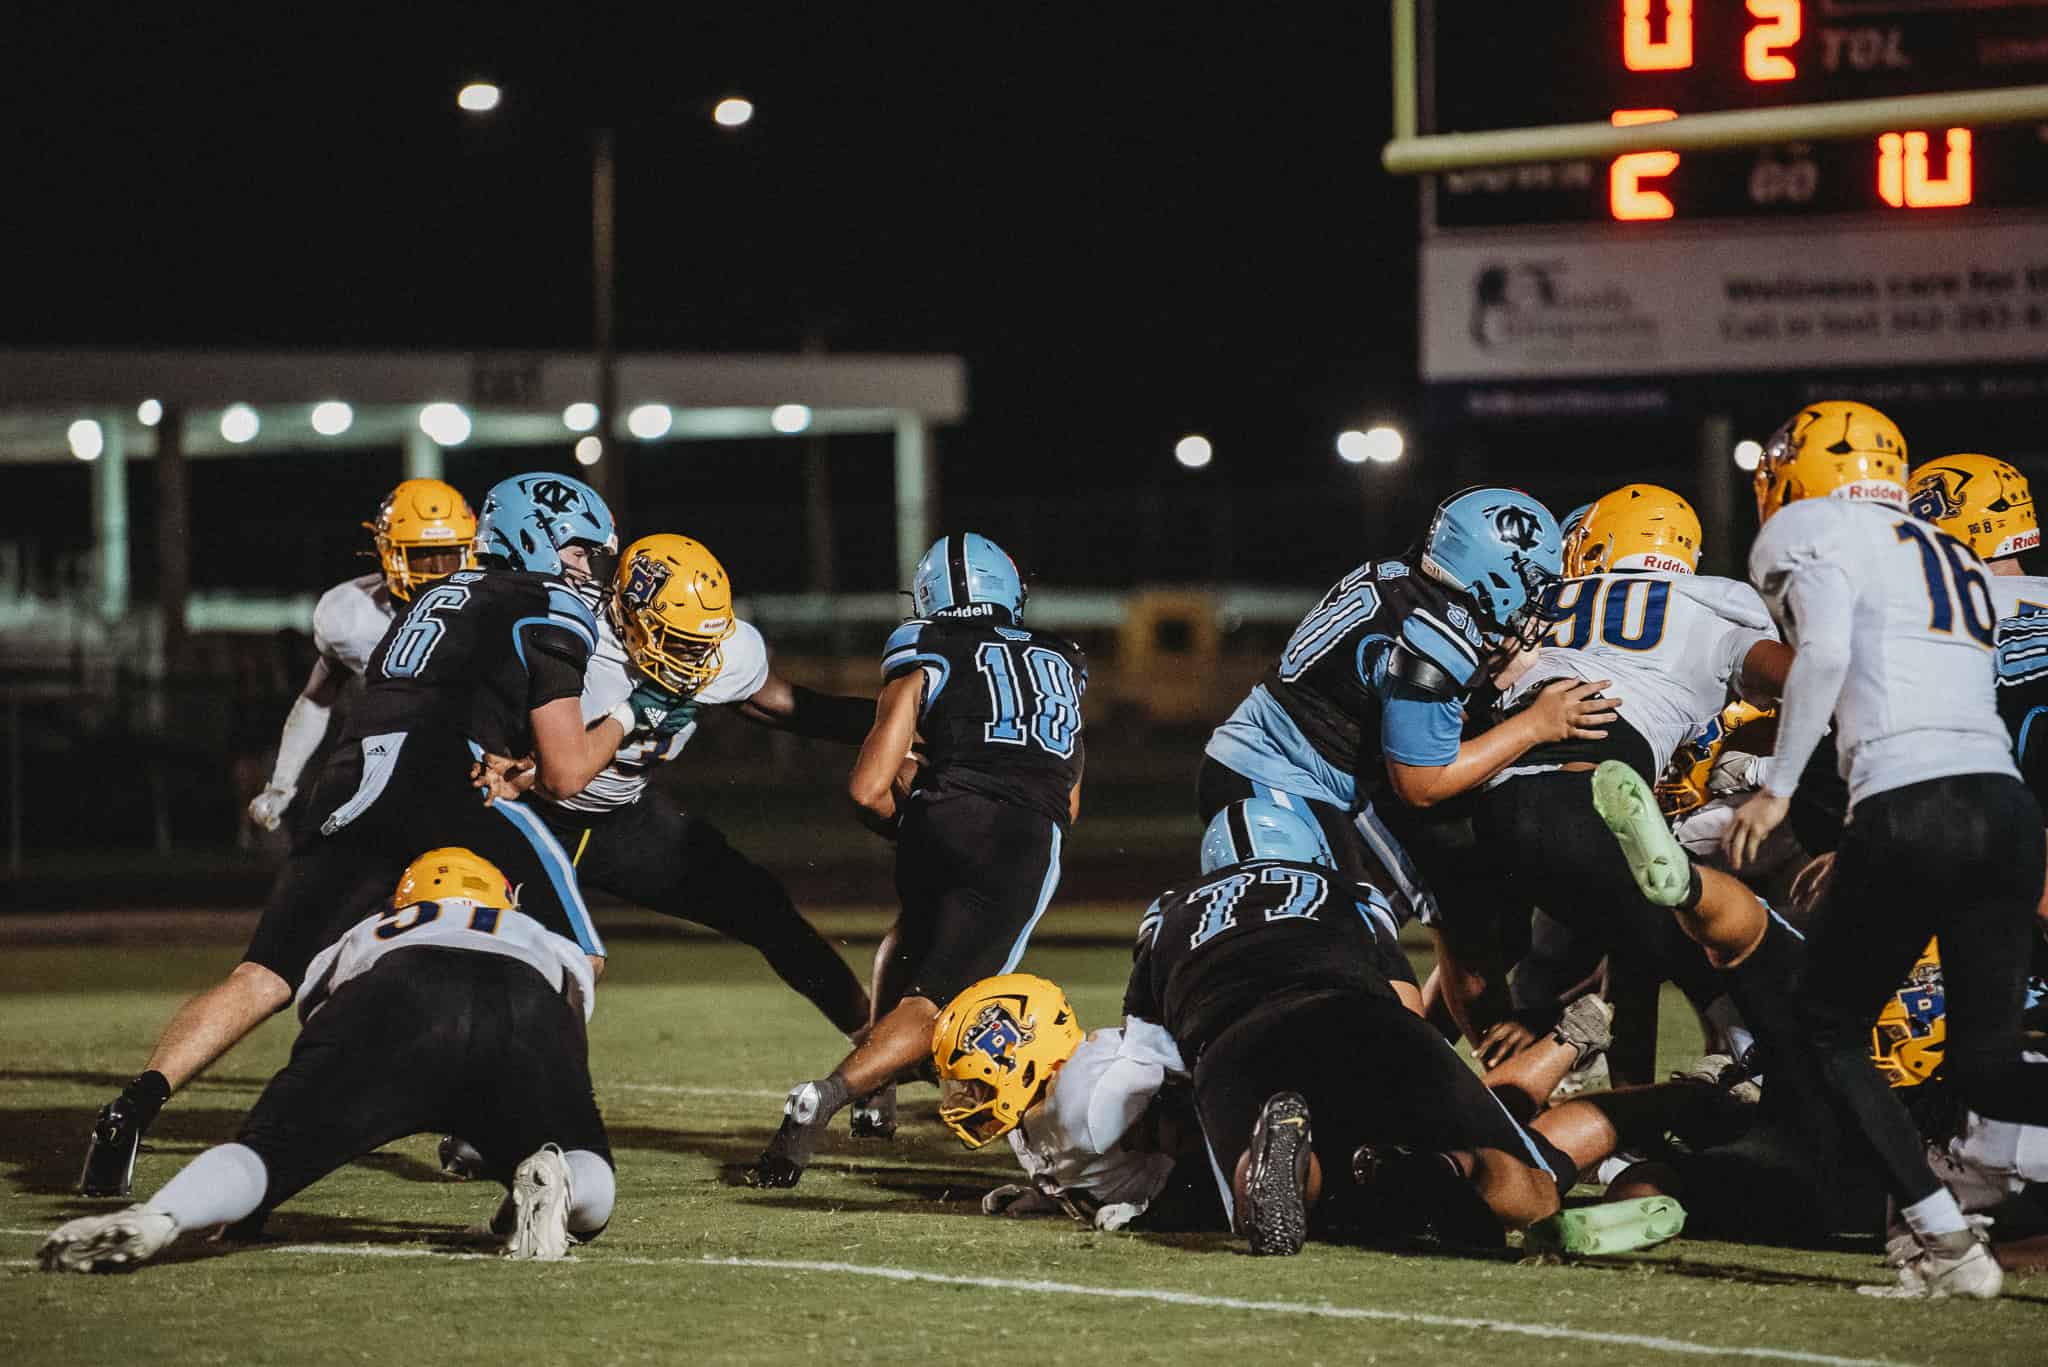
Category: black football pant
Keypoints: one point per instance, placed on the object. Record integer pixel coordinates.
(1957, 858)
(974, 876)
(378, 805)
(659, 856)
(434, 1041)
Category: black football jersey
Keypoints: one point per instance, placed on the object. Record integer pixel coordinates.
(475, 654)
(1254, 931)
(1001, 715)
(2023, 694)
(1330, 680)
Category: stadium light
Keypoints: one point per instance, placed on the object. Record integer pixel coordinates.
(479, 97)
(149, 412)
(86, 439)
(1194, 451)
(1352, 447)
(239, 424)
(790, 418)
(733, 112)
(580, 417)
(332, 418)
(1748, 455)
(650, 421)
(446, 423)
(1383, 445)
(589, 450)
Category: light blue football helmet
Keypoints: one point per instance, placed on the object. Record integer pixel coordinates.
(528, 519)
(967, 575)
(1498, 545)
(1260, 828)
(1573, 519)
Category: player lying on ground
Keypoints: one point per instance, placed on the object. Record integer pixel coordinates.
(424, 532)
(484, 661)
(979, 832)
(1315, 1073)
(1104, 1127)
(449, 1009)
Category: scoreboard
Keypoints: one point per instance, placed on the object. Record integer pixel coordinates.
(1489, 65)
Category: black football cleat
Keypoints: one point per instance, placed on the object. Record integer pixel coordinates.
(458, 1159)
(782, 1163)
(1275, 1219)
(874, 1115)
(110, 1154)
(1424, 1194)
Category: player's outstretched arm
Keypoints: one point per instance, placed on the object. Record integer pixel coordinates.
(1821, 598)
(1564, 709)
(305, 726)
(566, 756)
(786, 706)
(872, 785)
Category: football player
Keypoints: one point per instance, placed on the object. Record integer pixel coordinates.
(979, 827)
(1368, 697)
(424, 532)
(1670, 645)
(1892, 620)
(448, 1008)
(485, 660)
(1314, 1071)
(669, 648)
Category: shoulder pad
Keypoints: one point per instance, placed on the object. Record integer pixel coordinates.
(904, 637)
(564, 601)
(1451, 658)
(1148, 924)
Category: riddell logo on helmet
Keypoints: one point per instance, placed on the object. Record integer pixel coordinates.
(1665, 563)
(968, 610)
(1873, 491)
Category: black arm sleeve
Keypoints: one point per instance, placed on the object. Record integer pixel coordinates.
(555, 660)
(829, 716)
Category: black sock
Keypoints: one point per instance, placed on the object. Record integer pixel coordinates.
(1693, 892)
(832, 1096)
(146, 1095)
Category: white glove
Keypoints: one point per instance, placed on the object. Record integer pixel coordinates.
(1738, 772)
(1114, 1217)
(266, 809)
(1017, 1199)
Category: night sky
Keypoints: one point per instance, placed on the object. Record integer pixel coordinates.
(1132, 221)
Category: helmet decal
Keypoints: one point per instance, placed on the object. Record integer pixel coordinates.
(998, 1033)
(1518, 527)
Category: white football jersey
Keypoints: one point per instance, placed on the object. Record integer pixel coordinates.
(1072, 1141)
(452, 923)
(350, 620)
(609, 681)
(1911, 607)
(2017, 595)
(1672, 643)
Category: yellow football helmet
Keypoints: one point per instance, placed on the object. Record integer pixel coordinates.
(672, 607)
(1911, 1032)
(1636, 527)
(996, 1047)
(1833, 449)
(1683, 788)
(425, 531)
(453, 872)
(1982, 501)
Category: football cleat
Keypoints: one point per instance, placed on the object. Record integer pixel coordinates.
(1423, 1194)
(540, 1206)
(110, 1155)
(1723, 1072)
(1610, 1227)
(458, 1159)
(1658, 863)
(1931, 1275)
(1587, 1025)
(1275, 1215)
(108, 1243)
(782, 1163)
(874, 1115)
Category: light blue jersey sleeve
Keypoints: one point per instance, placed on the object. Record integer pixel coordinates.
(1416, 727)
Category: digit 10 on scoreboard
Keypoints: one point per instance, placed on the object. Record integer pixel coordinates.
(1537, 62)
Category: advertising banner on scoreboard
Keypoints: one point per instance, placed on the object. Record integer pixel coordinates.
(1580, 306)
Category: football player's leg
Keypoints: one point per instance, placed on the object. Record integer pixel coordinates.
(1716, 909)
(1987, 938)
(1257, 1128)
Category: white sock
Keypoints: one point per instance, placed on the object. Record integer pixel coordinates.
(218, 1187)
(592, 1191)
(1935, 1215)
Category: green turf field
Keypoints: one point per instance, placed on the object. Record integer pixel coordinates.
(881, 1254)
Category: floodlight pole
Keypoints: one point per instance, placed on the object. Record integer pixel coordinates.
(611, 481)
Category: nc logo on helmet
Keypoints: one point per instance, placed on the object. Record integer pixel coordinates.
(555, 496)
(998, 1034)
(646, 579)
(1517, 527)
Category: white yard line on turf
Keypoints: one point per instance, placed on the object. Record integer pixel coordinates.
(1647, 1342)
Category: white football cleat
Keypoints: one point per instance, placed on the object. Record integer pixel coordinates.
(108, 1243)
(1933, 1276)
(540, 1204)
